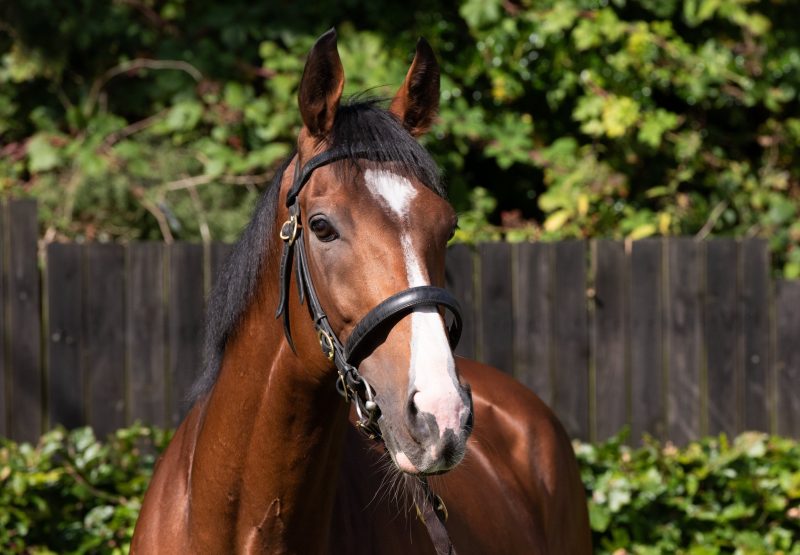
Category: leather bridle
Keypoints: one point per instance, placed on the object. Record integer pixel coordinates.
(350, 383)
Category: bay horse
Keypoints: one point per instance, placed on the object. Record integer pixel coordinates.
(270, 459)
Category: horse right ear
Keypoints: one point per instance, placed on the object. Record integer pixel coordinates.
(321, 86)
(417, 101)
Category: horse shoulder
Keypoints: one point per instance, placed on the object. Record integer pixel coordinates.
(512, 419)
(162, 526)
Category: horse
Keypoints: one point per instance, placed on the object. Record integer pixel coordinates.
(435, 453)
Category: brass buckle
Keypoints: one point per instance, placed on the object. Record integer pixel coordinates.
(343, 384)
(439, 507)
(289, 230)
(326, 343)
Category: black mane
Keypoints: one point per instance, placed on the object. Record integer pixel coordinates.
(361, 125)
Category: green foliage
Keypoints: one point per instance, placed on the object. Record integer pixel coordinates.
(708, 498)
(650, 117)
(580, 118)
(72, 493)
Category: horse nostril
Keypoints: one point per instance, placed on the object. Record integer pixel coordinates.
(466, 398)
(419, 425)
(470, 421)
(411, 408)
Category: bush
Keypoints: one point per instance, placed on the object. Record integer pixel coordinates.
(711, 497)
(73, 494)
(560, 118)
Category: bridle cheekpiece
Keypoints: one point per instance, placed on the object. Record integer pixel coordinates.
(350, 383)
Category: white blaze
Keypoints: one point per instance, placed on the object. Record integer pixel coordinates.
(432, 368)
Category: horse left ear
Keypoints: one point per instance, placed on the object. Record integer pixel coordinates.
(417, 101)
(321, 85)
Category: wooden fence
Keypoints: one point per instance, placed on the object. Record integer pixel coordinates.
(676, 338)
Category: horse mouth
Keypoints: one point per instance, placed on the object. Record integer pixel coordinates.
(417, 460)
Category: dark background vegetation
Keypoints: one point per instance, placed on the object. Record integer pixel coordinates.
(163, 119)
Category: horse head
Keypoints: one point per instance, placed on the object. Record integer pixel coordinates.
(375, 226)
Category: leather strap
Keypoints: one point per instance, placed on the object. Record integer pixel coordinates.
(350, 383)
(323, 159)
(399, 305)
(434, 520)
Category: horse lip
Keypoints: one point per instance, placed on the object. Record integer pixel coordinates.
(433, 468)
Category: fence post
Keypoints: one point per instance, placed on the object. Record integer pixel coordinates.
(64, 333)
(25, 406)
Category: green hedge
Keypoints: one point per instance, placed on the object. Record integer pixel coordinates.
(711, 497)
(74, 494)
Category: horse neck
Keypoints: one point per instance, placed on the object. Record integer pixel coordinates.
(269, 448)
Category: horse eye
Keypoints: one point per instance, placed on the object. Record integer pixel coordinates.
(453, 231)
(323, 229)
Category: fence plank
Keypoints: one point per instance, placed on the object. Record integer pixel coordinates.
(756, 313)
(645, 307)
(532, 317)
(611, 382)
(460, 281)
(721, 336)
(24, 330)
(185, 317)
(571, 338)
(787, 364)
(65, 335)
(145, 329)
(496, 346)
(104, 336)
(684, 335)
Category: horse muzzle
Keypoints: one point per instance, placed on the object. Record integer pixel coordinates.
(430, 441)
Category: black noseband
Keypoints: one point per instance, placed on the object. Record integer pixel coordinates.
(377, 321)
(397, 306)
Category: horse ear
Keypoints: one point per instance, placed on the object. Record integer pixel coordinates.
(321, 85)
(417, 101)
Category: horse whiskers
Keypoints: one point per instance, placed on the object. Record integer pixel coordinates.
(386, 465)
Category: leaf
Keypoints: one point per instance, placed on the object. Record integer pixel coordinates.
(42, 155)
(237, 95)
(583, 204)
(586, 35)
(479, 13)
(183, 116)
(655, 124)
(619, 114)
(618, 498)
(643, 230)
(599, 517)
(556, 220)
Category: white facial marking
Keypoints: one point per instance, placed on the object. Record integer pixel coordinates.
(432, 368)
(394, 191)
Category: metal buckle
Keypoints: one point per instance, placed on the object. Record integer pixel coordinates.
(289, 230)
(365, 410)
(439, 507)
(341, 385)
(326, 343)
